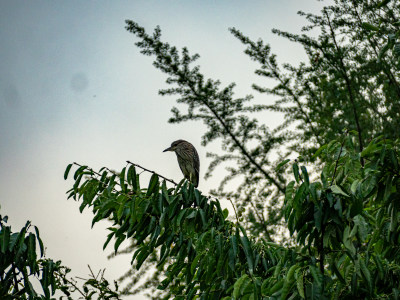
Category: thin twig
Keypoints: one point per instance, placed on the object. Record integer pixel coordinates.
(337, 160)
(263, 222)
(147, 170)
(234, 208)
(74, 285)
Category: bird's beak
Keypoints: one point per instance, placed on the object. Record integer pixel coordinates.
(168, 149)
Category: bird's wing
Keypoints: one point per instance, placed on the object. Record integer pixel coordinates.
(182, 166)
(196, 166)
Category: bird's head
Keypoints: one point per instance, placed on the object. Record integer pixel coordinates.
(174, 146)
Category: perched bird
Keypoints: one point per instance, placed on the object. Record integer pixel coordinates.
(188, 160)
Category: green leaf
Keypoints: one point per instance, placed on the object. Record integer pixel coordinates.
(122, 180)
(289, 192)
(318, 152)
(366, 273)
(347, 241)
(164, 191)
(110, 235)
(163, 285)
(305, 175)
(248, 253)
(5, 234)
(79, 171)
(382, 3)
(281, 164)
(356, 207)
(180, 216)
(369, 26)
(192, 215)
(318, 217)
(155, 235)
(231, 259)
(144, 253)
(234, 245)
(381, 54)
(316, 275)
(354, 186)
(379, 266)
(277, 286)
(300, 283)
(396, 49)
(278, 268)
(225, 212)
(132, 177)
(77, 182)
(286, 286)
(290, 273)
(370, 149)
(118, 242)
(313, 191)
(388, 188)
(152, 185)
(39, 241)
(237, 287)
(360, 222)
(336, 271)
(67, 171)
(337, 190)
(393, 159)
(31, 248)
(203, 218)
(296, 172)
(195, 262)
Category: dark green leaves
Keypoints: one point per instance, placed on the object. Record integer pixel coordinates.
(189, 232)
(132, 180)
(338, 101)
(20, 263)
(305, 175)
(153, 185)
(248, 252)
(196, 244)
(296, 172)
(67, 171)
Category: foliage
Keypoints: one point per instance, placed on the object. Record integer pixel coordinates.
(22, 267)
(346, 226)
(94, 287)
(348, 220)
(351, 80)
(226, 117)
(341, 118)
(20, 263)
(199, 250)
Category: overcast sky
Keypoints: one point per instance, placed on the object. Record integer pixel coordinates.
(73, 87)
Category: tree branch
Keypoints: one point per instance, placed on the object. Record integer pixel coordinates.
(348, 85)
(233, 137)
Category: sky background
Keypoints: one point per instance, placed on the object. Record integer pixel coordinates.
(73, 87)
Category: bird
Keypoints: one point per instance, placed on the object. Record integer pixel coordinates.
(188, 160)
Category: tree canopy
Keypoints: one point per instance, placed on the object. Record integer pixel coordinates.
(317, 211)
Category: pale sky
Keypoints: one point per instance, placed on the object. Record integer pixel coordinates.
(74, 87)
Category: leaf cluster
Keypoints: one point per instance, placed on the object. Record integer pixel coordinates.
(22, 267)
(348, 221)
(350, 81)
(346, 226)
(201, 253)
(20, 263)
